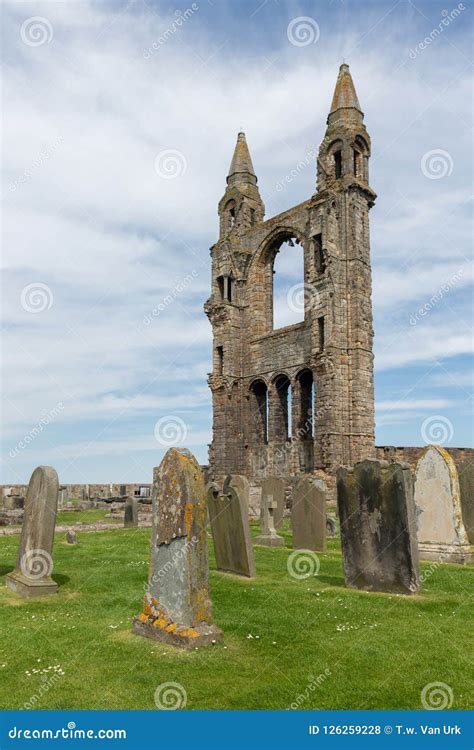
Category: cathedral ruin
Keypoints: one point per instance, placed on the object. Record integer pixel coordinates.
(300, 398)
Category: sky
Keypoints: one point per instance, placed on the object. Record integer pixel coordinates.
(120, 119)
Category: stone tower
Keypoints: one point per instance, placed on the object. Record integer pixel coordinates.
(326, 361)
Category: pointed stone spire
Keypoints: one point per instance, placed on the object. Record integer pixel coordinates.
(344, 102)
(241, 167)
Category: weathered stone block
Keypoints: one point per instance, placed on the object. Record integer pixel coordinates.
(71, 536)
(441, 532)
(228, 515)
(177, 607)
(378, 528)
(308, 515)
(32, 575)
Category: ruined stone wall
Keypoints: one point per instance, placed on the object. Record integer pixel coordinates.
(410, 455)
(254, 365)
(80, 492)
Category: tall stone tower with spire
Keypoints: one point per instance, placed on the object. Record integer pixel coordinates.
(296, 399)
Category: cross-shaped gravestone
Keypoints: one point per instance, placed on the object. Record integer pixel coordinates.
(269, 537)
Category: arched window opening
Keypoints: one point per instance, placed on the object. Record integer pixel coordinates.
(319, 261)
(288, 284)
(220, 284)
(305, 411)
(361, 160)
(225, 284)
(321, 333)
(219, 359)
(337, 164)
(281, 409)
(357, 163)
(230, 211)
(259, 411)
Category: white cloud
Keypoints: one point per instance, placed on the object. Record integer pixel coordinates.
(87, 215)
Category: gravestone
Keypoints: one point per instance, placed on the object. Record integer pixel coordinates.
(466, 486)
(378, 527)
(440, 527)
(32, 575)
(331, 526)
(13, 502)
(229, 518)
(241, 484)
(177, 606)
(268, 536)
(308, 515)
(71, 537)
(130, 519)
(274, 487)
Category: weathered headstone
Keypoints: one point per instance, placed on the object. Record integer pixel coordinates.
(466, 486)
(177, 607)
(13, 502)
(229, 518)
(274, 487)
(71, 537)
(378, 528)
(268, 536)
(331, 526)
(308, 515)
(32, 575)
(130, 519)
(441, 532)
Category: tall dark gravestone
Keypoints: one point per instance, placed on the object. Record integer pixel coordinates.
(378, 527)
(130, 518)
(229, 518)
(308, 515)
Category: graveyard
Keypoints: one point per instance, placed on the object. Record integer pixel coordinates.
(215, 508)
(301, 644)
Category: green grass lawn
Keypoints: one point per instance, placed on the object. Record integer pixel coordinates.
(75, 517)
(372, 650)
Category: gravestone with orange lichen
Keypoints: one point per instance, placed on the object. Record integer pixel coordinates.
(177, 607)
